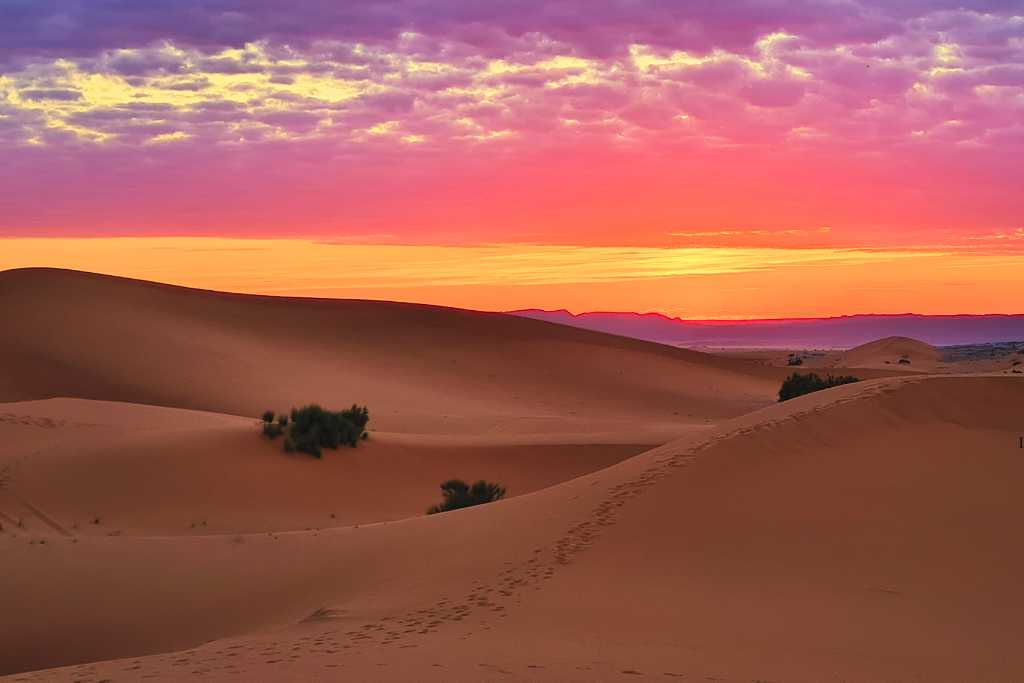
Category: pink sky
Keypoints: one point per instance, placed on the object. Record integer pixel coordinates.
(854, 124)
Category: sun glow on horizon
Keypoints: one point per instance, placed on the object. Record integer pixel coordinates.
(689, 282)
(677, 157)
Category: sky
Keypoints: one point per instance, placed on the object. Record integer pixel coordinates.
(752, 158)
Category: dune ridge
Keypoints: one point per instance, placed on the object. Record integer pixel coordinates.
(426, 369)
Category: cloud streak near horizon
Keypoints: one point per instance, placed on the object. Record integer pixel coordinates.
(751, 123)
(700, 283)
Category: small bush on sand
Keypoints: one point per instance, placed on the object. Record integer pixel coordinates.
(458, 494)
(794, 360)
(310, 429)
(313, 428)
(798, 385)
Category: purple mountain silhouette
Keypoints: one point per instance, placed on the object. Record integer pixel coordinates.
(841, 332)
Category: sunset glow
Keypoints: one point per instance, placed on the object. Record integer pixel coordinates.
(703, 159)
(696, 283)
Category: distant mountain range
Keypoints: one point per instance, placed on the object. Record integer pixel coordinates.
(841, 332)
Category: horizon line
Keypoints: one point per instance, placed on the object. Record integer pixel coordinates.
(840, 316)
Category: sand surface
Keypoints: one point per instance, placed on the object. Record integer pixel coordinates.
(865, 532)
(910, 355)
(421, 369)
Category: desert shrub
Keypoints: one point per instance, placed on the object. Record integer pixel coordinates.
(794, 360)
(282, 421)
(798, 384)
(272, 430)
(268, 416)
(313, 428)
(457, 494)
(904, 361)
(358, 416)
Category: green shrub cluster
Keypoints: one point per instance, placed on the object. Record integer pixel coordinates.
(311, 428)
(458, 494)
(798, 385)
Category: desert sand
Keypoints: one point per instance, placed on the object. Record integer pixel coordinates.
(914, 355)
(666, 518)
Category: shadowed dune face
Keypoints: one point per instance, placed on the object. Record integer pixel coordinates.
(843, 535)
(420, 369)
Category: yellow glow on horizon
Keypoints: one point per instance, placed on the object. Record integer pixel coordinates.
(695, 282)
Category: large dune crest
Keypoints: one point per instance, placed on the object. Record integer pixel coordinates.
(421, 368)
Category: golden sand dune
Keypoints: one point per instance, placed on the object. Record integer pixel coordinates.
(789, 544)
(892, 352)
(164, 471)
(864, 532)
(420, 368)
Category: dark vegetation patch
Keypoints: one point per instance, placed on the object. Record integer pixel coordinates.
(798, 384)
(457, 494)
(311, 429)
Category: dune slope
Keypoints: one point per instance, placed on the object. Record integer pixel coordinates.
(892, 352)
(421, 369)
(83, 467)
(789, 544)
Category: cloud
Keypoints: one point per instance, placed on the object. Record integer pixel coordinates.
(40, 94)
(787, 87)
(69, 28)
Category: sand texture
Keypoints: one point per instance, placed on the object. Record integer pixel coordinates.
(666, 519)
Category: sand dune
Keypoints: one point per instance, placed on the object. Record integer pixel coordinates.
(789, 544)
(142, 470)
(865, 532)
(421, 369)
(899, 352)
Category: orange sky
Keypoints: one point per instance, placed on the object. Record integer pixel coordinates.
(702, 159)
(699, 283)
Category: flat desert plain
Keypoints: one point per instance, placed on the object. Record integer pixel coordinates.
(666, 519)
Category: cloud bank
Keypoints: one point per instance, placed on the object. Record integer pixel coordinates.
(539, 121)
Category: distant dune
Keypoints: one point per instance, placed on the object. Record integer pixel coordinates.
(892, 351)
(666, 519)
(827, 333)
